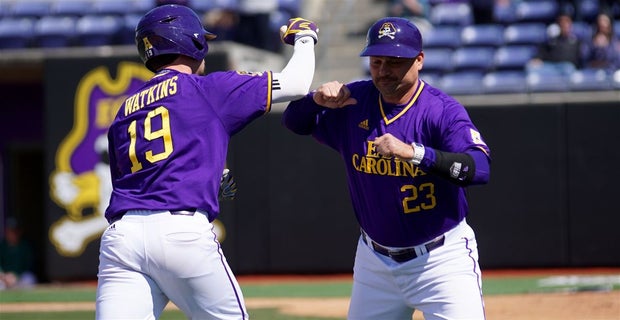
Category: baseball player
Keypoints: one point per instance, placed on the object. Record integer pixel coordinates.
(409, 151)
(167, 148)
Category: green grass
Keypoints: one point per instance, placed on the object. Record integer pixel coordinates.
(256, 314)
(315, 288)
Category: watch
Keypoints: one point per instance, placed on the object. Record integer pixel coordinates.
(418, 153)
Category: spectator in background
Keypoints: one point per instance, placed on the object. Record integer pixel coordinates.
(561, 51)
(603, 51)
(223, 22)
(254, 25)
(417, 11)
(16, 258)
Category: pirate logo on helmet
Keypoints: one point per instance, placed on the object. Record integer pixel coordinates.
(387, 30)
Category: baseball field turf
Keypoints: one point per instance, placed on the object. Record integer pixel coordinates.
(512, 295)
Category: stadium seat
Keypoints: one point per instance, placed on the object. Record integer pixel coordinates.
(513, 57)
(143, 6)
(442, 37)
(53, 31)
(38, 8)
(504, 82)
(615, 80)
(544, 11)
(431, 78)
(525, 33)
(128, 23)
(451, 13)
(16, 33)
(465, 83)
(483, 35)
(292, 7)
(473, 59)
(590, 80)
(202, 6)
(504, 13)
(583, 30)
(113, 7)
(587, 10)
(75, 8)
(546, 80)
(96, 30)
(437, 60)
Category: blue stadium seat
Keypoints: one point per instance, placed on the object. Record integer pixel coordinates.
(513, 57)
(437, 60)
(37, 8)
(143, 6)
(473, 59)
(504, 82)
(431, 78)
(72, 8)
(278, 18)
(54, 32)
(525, 33)
(587, 10)
(464, 83)
(96, 30)
(443, 37)
(590, 80)
(451, 13)
(547, 80)
(544, 11)
(202, 6)
(504, 13)
(293, 7)
(4, 9)
(483, 35)
(127, 33)
(615, 80)
(113, 7)
(583, 30)
(16, 33)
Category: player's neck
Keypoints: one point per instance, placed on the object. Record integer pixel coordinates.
(180, 68)
(401, 96)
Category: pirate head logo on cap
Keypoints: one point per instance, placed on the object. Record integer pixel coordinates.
(393, 37)
(387, 30)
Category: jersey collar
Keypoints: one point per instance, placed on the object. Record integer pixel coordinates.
(407, 107)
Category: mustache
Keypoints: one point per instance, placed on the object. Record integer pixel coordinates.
(385, 78)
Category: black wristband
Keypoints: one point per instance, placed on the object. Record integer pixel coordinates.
(457, 167)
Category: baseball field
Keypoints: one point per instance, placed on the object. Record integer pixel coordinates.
(584, 294)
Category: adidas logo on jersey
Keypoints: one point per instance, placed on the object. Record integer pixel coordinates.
(364, 124)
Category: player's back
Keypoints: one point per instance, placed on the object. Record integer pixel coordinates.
(168, 142)
(167, 146)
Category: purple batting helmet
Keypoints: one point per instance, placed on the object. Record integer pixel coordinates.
(393, 37)
(171, 29)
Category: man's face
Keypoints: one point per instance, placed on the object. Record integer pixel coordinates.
(395, 76)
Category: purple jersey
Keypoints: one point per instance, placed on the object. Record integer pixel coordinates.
(169, 140)
(397, 203)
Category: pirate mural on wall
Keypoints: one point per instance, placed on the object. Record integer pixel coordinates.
(80, 182)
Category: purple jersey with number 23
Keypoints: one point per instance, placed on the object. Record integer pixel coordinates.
(169, 140)
(395, 202)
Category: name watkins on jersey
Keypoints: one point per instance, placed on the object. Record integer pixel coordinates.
(374, 163)
(152, 94)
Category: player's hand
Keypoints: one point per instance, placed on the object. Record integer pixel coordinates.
(333, 95)
(389, 146)
(228, 186)
(298, 28)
